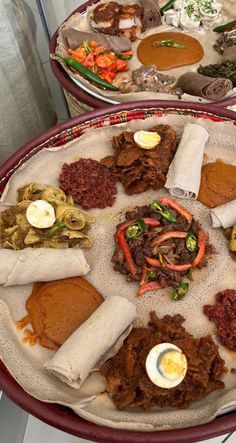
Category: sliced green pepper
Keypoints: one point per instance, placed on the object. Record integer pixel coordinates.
(86, 47)
(180, 291)
(152, 275)
(136, 229)
(158, 208)
(224, 27)
(190, 274)
(168, 43)
(191, 242)
(56, 228)
(167, 6)
(117, 54)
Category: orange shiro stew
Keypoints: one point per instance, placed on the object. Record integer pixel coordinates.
(57, 308)
(164, 57)
(218, 184)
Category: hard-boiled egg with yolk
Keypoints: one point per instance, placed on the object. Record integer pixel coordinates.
(40, 214)
(166, 365)
(147, 139)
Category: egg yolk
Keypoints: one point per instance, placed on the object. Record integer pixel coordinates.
(172, 365)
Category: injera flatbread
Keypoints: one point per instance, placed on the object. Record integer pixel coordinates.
(206, 38)
(26, 363)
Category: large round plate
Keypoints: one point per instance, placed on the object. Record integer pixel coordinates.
(53, 414)
(88, 95)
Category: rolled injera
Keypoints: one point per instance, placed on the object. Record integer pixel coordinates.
(151, 13)
(80, 353)
(202, 86)
(73, 39)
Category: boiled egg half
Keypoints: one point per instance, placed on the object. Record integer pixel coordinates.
(147, 139)
(166, 365)
(40, 214)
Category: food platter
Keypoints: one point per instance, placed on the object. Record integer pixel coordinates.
(57, 137)
(111, 97)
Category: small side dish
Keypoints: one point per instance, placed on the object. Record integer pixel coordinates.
(127, 379)
(160, 245)
(44, 217)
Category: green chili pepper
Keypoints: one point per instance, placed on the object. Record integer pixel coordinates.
(117, 54)
(158, 208)
(136, 229)
(168, 43)
(86, 47)
(180, 291)
(56, 228)
(87, 73)
(167, 6)
(190, 274)
(223, 28)
(152, 275)
(191, 242)
(123, 56)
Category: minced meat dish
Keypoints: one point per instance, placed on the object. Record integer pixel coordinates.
(223, 314)
(89, 183)
(127, 380)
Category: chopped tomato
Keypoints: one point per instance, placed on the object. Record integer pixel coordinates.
(78, 54)
(121, 65)
(108, 75)
(89, 61)
(100, 49)
(93, 45)
(105, 60)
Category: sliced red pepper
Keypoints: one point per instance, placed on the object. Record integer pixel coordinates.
(167, 236)
(126, 251)
(174, 205)
(149, 286)
(157, 264)
(202, 248)
(153, 261)
(120, 237)
(151, 221)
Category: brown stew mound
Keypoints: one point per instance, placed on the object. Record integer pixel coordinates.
(89, 183)
(139, 169)
(129, 384)
(223, 314)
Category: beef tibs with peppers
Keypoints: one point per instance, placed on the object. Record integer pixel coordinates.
(160, 245)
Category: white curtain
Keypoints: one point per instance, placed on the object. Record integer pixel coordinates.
(26, 108)
(56, 11)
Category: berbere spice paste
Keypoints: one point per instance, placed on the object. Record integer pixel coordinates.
(223, 314)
